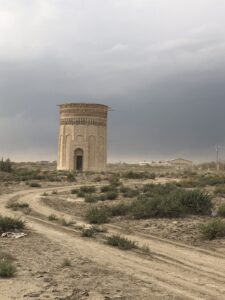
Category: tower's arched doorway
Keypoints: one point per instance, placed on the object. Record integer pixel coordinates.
(78, 159)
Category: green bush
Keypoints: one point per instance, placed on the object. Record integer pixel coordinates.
(119, 210)
(17, 205)
(112, 195)
(88, 232)
(202, 181)
(90, 198)
(157, 207)
(8, 223)
(88, 189)
(194, 202)
(80, 194)
(139, 175)
(114, 180)
(213, 229)
(175, 204)
(158, 189)
(121, 242)
(7, 268)
(102, 197)
(107, 188)
(221, 210)
(220, 190)
(98, 215)
(129, 193)
(52, 217)
(71, 177)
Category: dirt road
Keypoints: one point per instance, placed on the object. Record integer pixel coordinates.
(178, 270)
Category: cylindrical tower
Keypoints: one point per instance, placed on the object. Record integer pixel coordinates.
(82, 137)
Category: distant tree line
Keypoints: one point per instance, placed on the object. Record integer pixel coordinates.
(6, 165)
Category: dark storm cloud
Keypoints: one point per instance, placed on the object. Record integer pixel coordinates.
(160, 66)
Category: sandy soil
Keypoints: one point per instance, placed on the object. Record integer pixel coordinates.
(173, 271)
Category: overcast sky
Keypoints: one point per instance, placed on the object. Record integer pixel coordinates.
(160, 65)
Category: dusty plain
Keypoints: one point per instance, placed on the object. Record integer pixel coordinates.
(55, 261)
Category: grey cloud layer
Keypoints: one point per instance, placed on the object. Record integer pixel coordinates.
(159, 64)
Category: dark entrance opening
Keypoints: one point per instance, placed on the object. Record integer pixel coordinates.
(78, 160)
(79, 163)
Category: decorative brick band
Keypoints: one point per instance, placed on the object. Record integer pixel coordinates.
(82, 121)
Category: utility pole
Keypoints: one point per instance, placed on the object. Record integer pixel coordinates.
(217, 159)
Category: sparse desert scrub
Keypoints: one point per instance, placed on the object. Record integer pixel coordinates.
(88, 189)
(14, 205)
(52, 217)
(194, 202)
(129, 193)
(7, 268)
(98, 215)
(175, 204)
(221, 210)
(8, 224)
(90, 198)
(213, 229)
(114, 180)
(71, 177)
(107, 188)
(158, 189)
(219, 190)
(88, 232)
(120, 209)
(121, 242)
(111, 195)
(139, 175)
(202, 181)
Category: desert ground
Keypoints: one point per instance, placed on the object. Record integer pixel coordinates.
(66, 252)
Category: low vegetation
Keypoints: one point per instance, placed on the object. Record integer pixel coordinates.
(221, 210)
(213, 229)
(98, 215)
(219, 190)
(88, 189)
(88, 232)
(11, 224)
(5, 165)
(177, 203)
(129, 192)
(121, 242)
(111, 195)
(202, 181)
(17, 205)
(7, 268)
(139, 175)
(66, 263)
(52, 217)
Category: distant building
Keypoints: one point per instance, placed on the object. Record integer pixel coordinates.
(181, 163)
